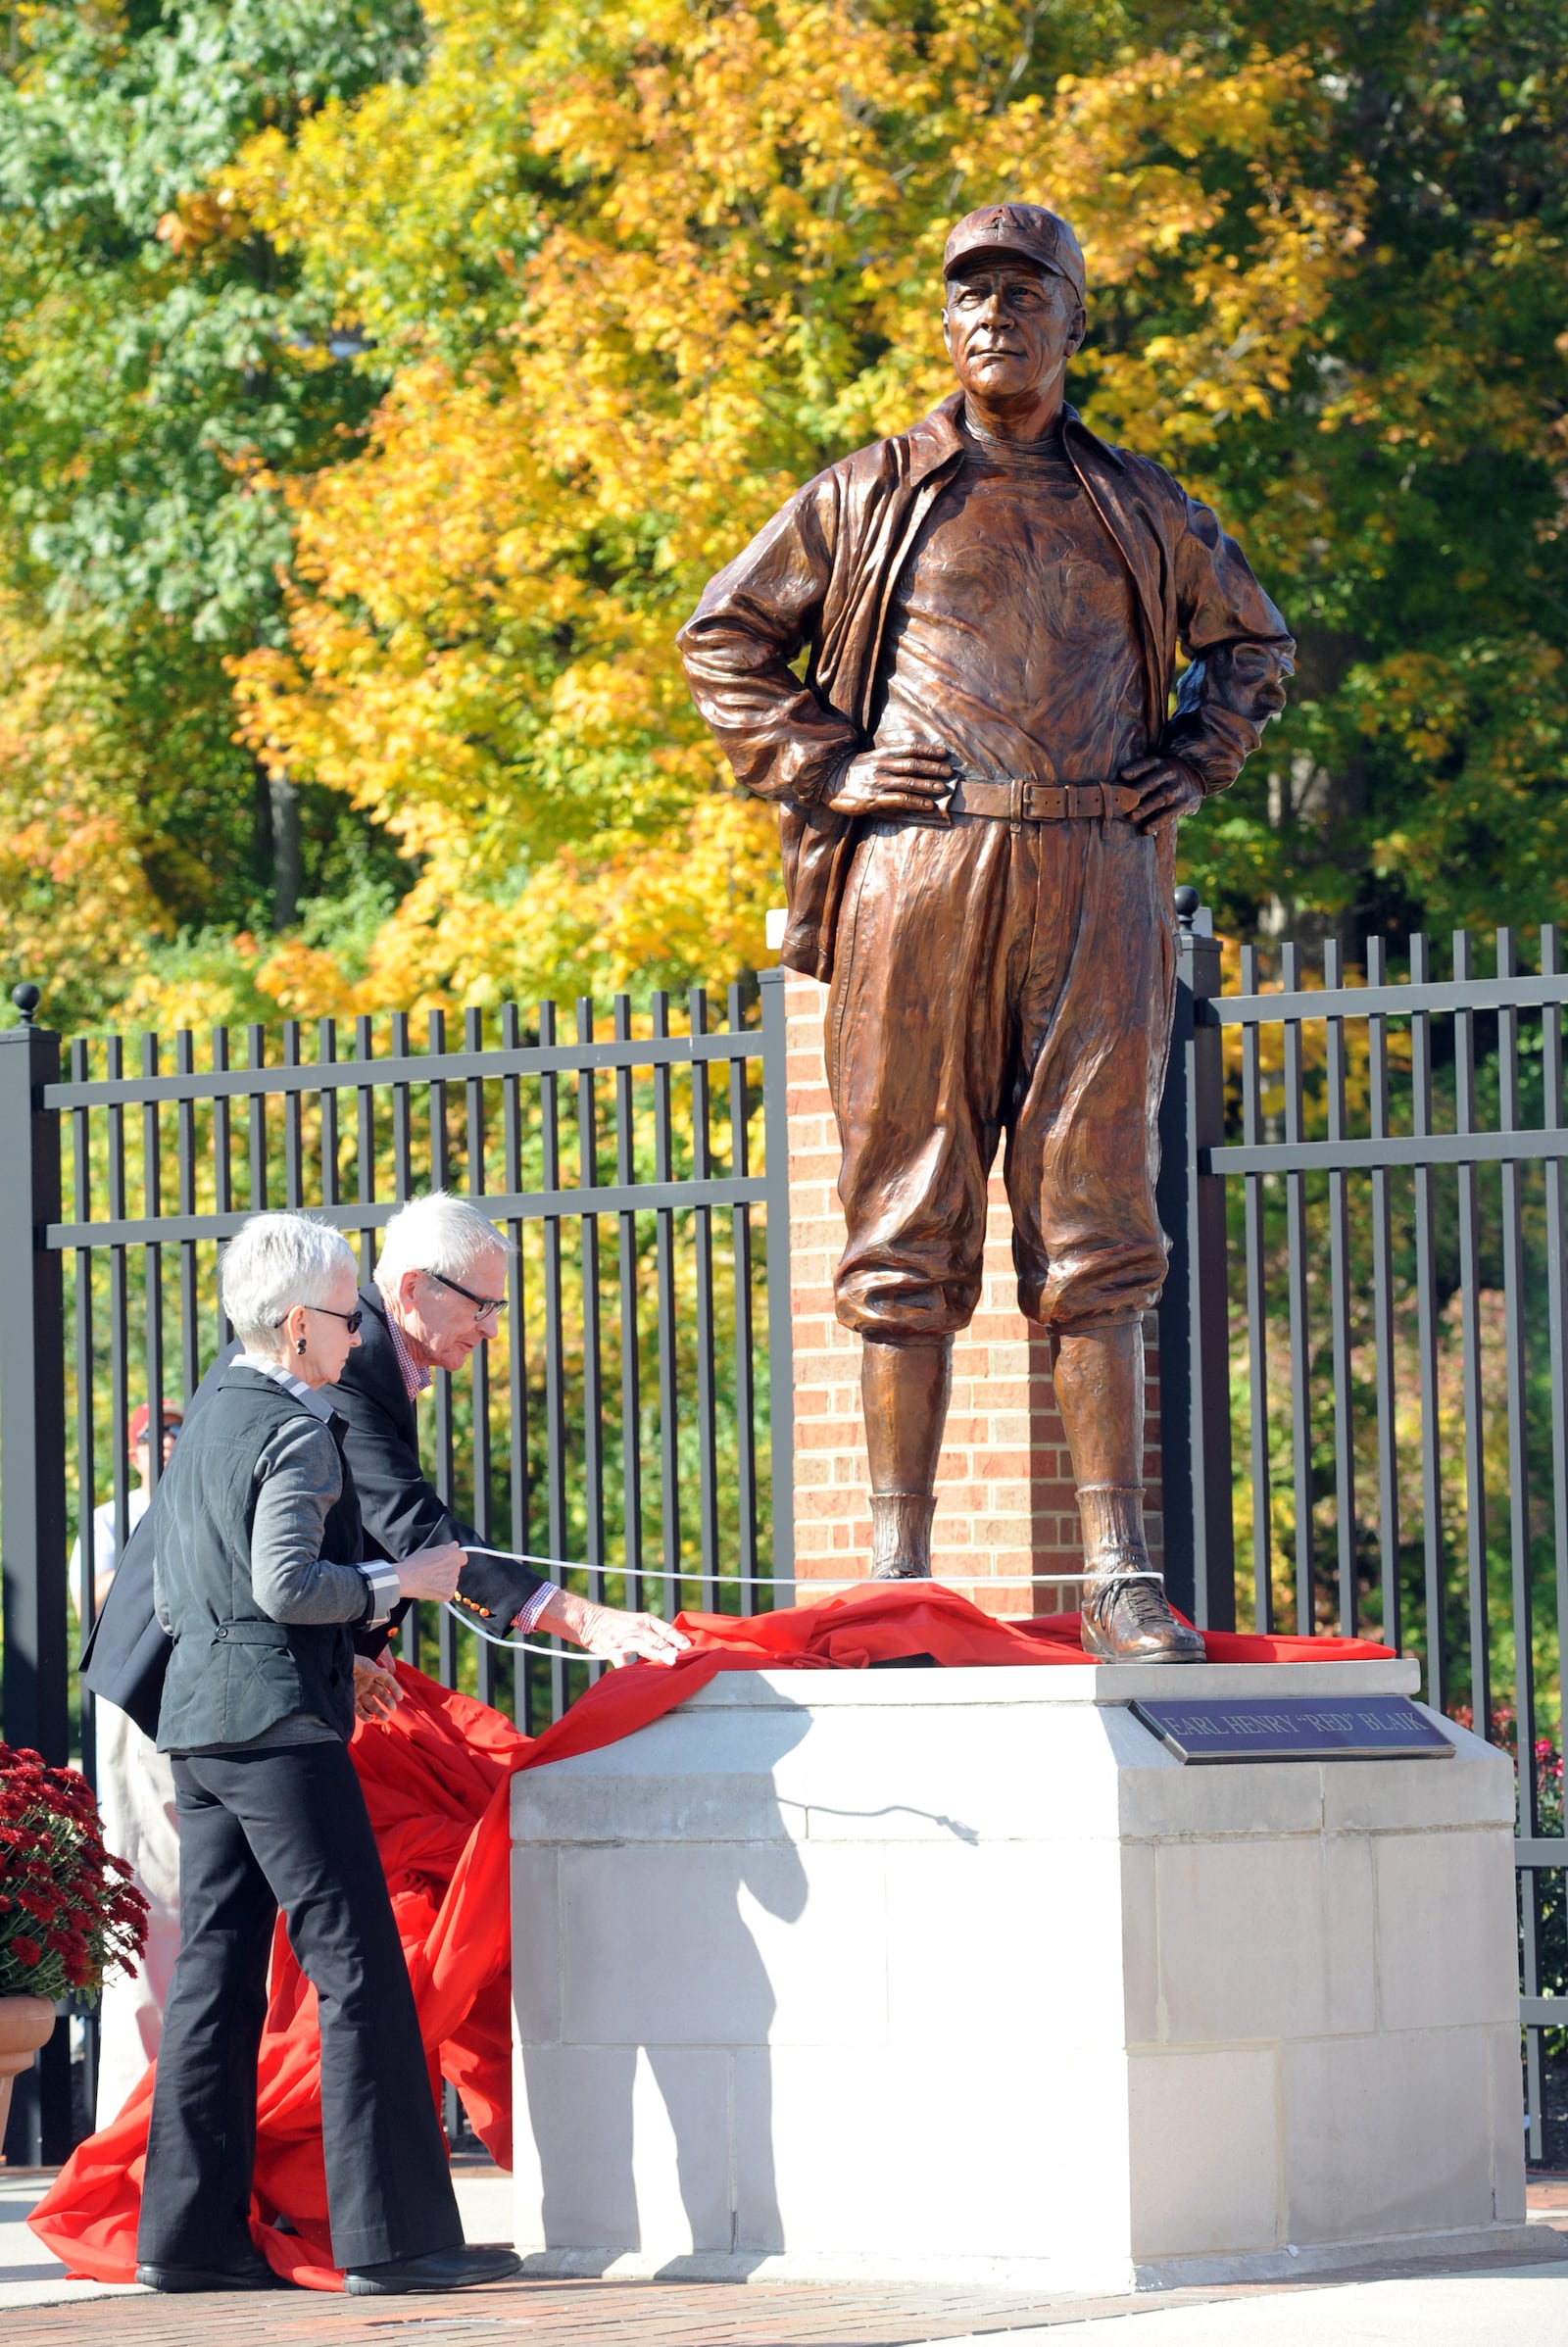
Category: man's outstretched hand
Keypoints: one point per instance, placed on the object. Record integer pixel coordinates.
(1166, 788)
(617, 1637)
(611, 1635)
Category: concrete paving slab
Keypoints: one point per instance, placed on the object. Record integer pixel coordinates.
(29, 2275)
(1528, 2306)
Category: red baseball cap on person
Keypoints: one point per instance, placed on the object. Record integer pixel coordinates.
(1027, 230)
(141, 1418)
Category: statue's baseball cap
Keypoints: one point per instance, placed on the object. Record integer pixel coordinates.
(1027, 230)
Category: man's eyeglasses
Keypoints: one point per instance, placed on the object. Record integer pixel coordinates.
(352, 1321)
(483, 1305)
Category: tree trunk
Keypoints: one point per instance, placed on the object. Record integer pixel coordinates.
(283, 806)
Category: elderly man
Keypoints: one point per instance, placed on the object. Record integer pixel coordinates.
(979, 775)
(439, 1291)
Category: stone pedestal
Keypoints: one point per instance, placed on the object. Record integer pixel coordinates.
(960, 1975)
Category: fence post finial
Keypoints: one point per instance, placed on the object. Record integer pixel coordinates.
(27, 999)
(1189, 905)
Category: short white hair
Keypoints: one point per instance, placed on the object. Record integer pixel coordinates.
(437, 1233)
(274, 1262)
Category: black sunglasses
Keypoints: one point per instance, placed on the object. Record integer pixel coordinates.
(483, 1305)
(352, 1321)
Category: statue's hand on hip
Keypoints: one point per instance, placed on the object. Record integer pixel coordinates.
(907, 778)
(1166, 791)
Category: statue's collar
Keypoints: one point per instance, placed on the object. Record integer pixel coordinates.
(936, 439)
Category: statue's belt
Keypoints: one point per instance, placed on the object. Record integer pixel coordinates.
(1021, 801)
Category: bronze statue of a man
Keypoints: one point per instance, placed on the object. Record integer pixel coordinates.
(979, 780)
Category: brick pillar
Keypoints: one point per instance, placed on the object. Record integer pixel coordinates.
(1004, 1500)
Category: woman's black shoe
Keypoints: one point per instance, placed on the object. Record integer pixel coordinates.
(255, 2275)
(462, 2268)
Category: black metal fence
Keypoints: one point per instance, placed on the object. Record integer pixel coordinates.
(1368, 1323)
(632, 1415)
(1363, 1341)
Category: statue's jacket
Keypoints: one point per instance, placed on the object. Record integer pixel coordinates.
(821, 578)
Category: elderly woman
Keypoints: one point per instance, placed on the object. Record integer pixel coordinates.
(258, 1583)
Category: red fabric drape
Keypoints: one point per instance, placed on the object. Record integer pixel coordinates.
(435, 1778)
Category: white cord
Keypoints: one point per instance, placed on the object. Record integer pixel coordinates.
(518, 1645)
(760, 1580)
(764, 1580)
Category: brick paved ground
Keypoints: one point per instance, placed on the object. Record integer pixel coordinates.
(612, 2314)
(635, 2314)
(674, 2315)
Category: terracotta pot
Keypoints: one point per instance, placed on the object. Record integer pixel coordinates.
(26, 2023)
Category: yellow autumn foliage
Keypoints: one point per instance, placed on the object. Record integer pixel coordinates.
(74, 907)
(643, 270)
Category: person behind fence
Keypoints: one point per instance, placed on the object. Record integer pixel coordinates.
(136, 1799)
(258, 1581)
(138, 1499)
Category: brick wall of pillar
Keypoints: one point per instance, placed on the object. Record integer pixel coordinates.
(1004, 1500)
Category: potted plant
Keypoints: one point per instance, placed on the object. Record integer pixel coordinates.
(69, 1911)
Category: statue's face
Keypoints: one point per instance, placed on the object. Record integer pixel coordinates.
(1010, 327)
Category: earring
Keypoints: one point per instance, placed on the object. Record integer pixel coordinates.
(299, 1344)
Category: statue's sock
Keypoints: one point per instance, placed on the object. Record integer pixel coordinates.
(1113, 1529)
(900, 1534)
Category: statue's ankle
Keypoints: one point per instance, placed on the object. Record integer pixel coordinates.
(900, 1534)
(1114, 1539)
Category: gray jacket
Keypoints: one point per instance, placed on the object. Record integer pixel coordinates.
(257, 1578)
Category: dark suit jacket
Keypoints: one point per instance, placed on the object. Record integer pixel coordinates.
(128, 1653)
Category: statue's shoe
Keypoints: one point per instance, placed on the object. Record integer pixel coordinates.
(1128, 1620)
(897, 1570)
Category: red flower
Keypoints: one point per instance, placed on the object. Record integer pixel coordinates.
(57, 1874)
